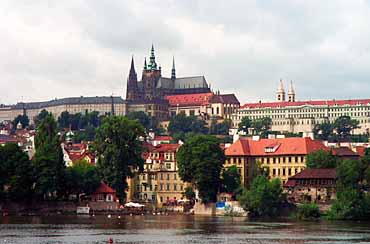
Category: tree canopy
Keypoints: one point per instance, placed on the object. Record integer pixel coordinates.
(245, 124)
(220, 128)
(264, 198)
(16, 173)
(23, 119)
(230, 179)
(321, 159)
(142, 117)
(185, 124)
(48, 160)
(200, 162)
(79, 121)
(341, 128)
(119, 146)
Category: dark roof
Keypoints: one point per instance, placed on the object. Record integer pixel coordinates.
(104, 188)
(190, 82)
(225, 99)
(315, 174)
(69, 101)
(344, 151)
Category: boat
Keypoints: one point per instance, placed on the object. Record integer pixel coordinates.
(83, 210)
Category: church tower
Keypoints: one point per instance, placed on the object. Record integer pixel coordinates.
(280, 93)
(291, 93)
(150, 77)
(132, 91)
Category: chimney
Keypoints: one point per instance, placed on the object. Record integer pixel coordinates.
(256, 138)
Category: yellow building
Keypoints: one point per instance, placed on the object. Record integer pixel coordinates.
(281, 158)
(159, 183)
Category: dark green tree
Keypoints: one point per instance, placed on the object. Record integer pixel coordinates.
(344, 125)
(323, 131)
(230, 179)
(185, 124)
(308, 211)
(23, 119)
(200, 162)
(262, 126)
(42, 115)
(48, 160)
(82, 177)
(245, 124)
(189, 193)
(264, 198)
(142, 117)
(15, 173)
(220, 128)
(64, 120)
(321, 159)
(119, 143)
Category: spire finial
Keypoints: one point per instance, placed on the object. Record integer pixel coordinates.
(132, 63)
(173, 71)
(152, 63)
(145, 65)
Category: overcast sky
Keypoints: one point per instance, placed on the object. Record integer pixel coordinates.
(55, 49)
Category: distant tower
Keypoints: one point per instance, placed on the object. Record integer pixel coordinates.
(280, 93)
(132, 91)
(173, 70)
(291, 93)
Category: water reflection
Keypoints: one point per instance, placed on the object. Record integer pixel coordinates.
(175, 229)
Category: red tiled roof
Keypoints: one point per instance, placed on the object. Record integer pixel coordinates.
(104, 188)
(302, 103)
(162, 138)
(360, 150)
(225, 99)
(166, 148)
(283, 146)
(315, 174)
(189, 99)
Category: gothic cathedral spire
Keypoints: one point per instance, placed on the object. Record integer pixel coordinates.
(132, 87)
(152, 63)
(173, 70)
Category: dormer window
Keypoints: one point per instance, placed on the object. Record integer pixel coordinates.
(272, 148)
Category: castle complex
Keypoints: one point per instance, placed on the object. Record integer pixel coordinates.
(161, 98)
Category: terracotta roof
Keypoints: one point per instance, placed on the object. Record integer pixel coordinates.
(267, 147)
(313, 103)
(189, 99)
(361, 150)
(104, 188)
(162, 138)
(315, 174)
(166, 148)
(344, 151)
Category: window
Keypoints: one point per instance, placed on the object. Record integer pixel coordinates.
(174, 187)
(168, 176)
(168, 187)
(175, 176)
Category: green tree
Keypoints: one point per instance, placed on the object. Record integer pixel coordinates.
(142, 117)
(48, 160)
(262, 126)
(200, 162)
(119, 145)
(23, 119)
(350, 174)
(42, 115)
(220, 128)
(344, 125)
(323, 131)
(245, 124)
(82, 177)
(185, 124)
(189, 193)
(64, 120)
(264, 198)
(321, 159)
(231, 179)
(15, 173)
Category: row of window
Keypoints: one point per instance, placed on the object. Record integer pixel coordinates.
(162, 187)
(162, 176)
(284, 171)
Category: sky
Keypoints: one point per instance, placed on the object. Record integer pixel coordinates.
(54, 49)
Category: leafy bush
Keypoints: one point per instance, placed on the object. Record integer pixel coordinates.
(308, 211)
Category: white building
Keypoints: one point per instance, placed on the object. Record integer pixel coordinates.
(302, 116)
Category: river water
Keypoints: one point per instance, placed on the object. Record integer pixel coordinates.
(177, 229)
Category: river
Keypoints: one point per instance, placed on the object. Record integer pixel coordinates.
(177, 229)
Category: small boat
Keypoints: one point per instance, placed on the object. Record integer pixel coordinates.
(83, 210)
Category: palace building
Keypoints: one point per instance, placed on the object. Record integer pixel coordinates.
(301, 116)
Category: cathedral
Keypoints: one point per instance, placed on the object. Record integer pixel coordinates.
(149, 94)
(155, 87)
